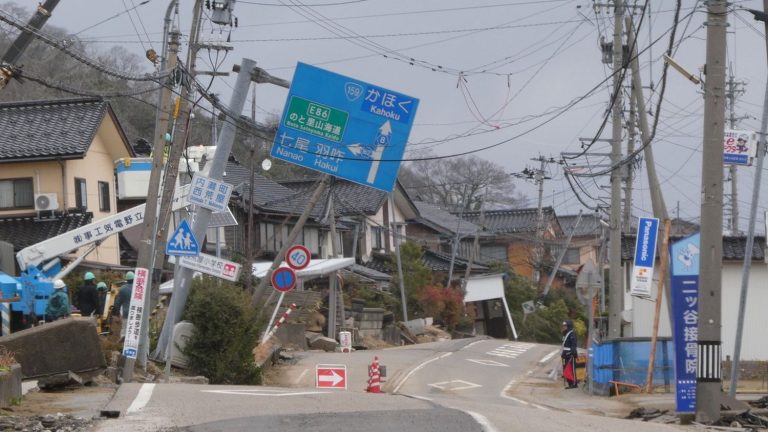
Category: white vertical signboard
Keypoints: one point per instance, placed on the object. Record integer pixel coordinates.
(135, 313)
(645, 257)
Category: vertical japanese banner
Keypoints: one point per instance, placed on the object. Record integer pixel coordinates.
(136, 311)
(685, 318)
(645, 257)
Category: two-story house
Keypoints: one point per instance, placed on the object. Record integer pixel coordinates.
(57, 171)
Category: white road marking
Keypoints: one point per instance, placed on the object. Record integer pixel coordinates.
(454, 385)
(298, 380)
(548, 357)
(511, 350)
(482, 421)
(414, 370)
(488, 362)
(473, 343)
(277, 393)
(142, 398)
(520, 401)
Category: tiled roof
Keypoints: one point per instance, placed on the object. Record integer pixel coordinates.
(511, 220)
(733, 247)
(23, 231)
(349, 199)
(588, 226)
(268, 195)
(443, 221)
(435, 261)
(42, 130)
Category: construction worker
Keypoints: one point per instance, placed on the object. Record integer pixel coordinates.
(101, 290)
(123, 303)
(87, 297)
(58, 302)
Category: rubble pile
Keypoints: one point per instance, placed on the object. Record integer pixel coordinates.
(50, 422)
(760, 403)
(745, 420)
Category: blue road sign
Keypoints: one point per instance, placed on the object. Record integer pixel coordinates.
(344, 127)
(283, 279)
(182, 242)
(684, 255)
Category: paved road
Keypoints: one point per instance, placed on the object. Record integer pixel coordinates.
(460, 385)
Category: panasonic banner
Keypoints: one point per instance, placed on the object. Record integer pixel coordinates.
(645, 256)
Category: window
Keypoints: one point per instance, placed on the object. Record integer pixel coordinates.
(377, 237)
(104, 203)
(572, 256)
(16, 193)
(81, 193)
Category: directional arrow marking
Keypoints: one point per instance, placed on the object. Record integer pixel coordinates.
(333, 378)
(386, 128)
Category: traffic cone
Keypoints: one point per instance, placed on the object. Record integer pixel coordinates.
(374, 379)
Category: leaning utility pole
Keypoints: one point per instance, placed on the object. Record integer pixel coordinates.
(23, 40)
(708, 374)
(182, 285)
(616, 293)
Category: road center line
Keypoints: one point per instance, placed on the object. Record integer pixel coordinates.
(142, 398)
(414, 370)
(473, 343)
(549, 356)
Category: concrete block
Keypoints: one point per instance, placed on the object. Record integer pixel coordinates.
(292, 334)
(70, 344)
(322, 342)
(10, 386)
(181, 333)
(416, 326)
(391, 334)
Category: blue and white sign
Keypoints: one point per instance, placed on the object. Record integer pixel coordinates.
(209, 193)
(685, 319)
(739, 147)
(344, 127)
(182, 242)
(645, 257)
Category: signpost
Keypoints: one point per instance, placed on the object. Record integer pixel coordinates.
(298, 257)
(645, 257)
(213, 266)
(182, 242)
(344, 127)
(685, 319)
(133, 323)
(739, 147)
(209, 193)
(283, 279)
(331, 376)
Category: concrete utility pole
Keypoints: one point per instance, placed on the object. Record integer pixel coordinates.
(616, 294)
(708, 374)
(396, 239)
(761, 147)
(23, 40)
(203, 215)
(734, 89)
(149, 226)
(629, 173)
(538, 176)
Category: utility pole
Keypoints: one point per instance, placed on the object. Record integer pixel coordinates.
(476, 242)
(149, 226)
(708, 374)
(734, 88)
(23, 40)
(538, 176)
(182, 284)
(616, 294)
(628, 169)
(151, 254)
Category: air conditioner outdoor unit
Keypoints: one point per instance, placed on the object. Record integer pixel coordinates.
(46, 201)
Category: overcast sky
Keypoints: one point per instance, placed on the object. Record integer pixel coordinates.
(488, 73)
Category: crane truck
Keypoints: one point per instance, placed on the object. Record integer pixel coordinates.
(27, 294)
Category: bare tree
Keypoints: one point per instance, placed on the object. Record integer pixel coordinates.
(460, 182)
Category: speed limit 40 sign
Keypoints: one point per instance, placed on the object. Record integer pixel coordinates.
(297, 257)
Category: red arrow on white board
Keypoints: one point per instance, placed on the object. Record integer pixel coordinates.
(331, 377)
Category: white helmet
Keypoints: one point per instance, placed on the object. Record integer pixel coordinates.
(58, 284)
